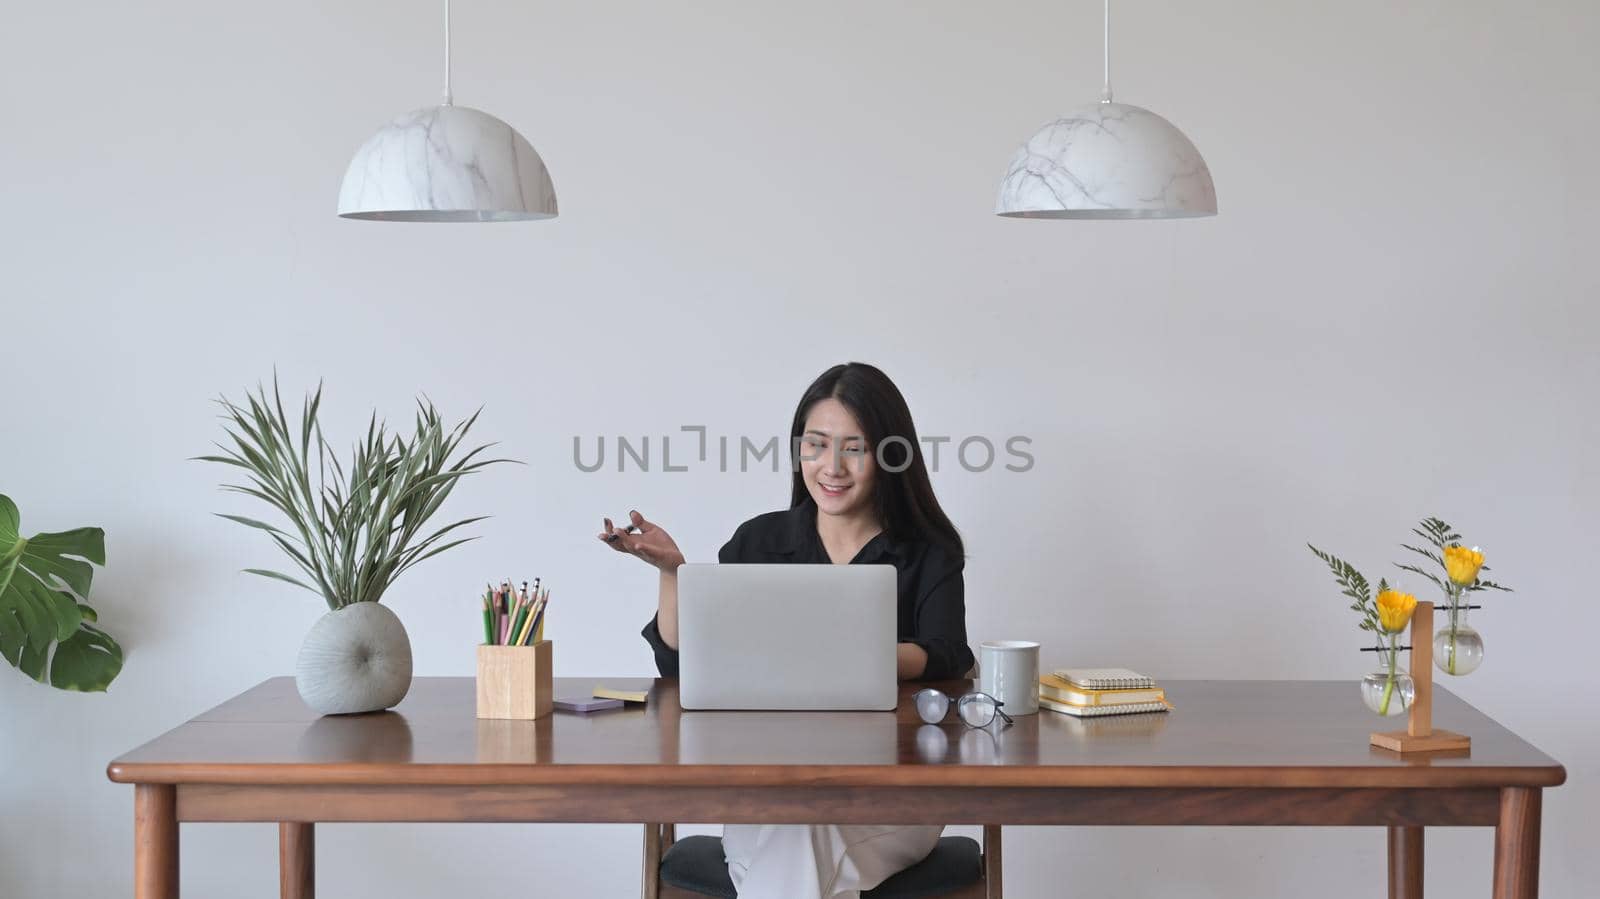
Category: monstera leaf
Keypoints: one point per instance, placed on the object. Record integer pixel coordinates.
(42, 582)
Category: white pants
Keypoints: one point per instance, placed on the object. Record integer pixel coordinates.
(824, 861)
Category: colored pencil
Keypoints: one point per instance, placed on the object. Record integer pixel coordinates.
(538, 624)
(512, 615)
(522, 628)
(516, 623)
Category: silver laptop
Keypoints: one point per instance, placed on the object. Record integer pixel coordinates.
(777, 637)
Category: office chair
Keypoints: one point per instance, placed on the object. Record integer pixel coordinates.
(694, 867)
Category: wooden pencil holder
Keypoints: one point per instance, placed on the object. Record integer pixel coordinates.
(1419, 735)
(516, 681)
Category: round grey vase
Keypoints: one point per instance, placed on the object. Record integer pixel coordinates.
(354, 659)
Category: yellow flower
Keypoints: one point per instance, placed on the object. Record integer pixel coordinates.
(1394, 610)
(1462, 564)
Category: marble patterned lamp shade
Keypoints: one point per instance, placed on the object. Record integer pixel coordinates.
(447, 163)
(1108, 161)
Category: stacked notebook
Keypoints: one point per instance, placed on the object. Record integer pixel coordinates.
(1094, 692)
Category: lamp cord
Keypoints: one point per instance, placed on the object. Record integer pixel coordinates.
(1105, 93)
(448, 98)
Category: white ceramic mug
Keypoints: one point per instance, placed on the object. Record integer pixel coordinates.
(1008, 670)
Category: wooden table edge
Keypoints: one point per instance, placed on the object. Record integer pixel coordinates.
(1132, 776)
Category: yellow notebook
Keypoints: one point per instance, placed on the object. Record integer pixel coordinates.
(624, 695)
(1063, 690)
(1096, 711)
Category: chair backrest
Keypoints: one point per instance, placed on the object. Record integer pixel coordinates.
(658, 838)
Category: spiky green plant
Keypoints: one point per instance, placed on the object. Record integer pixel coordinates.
(351, 533)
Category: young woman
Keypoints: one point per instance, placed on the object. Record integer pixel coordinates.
(861, 495)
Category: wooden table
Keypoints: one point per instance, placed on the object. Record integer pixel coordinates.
(1234, 752)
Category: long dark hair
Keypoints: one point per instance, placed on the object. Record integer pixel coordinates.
(904, 496)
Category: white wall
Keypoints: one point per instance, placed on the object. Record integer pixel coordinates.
(1392, 317)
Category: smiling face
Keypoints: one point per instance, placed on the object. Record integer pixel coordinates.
(835, 461)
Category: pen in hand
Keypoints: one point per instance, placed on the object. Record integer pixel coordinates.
(645, 539)
(614, 537)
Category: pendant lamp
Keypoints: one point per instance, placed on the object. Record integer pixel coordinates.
(1108, 161)
(447, 163)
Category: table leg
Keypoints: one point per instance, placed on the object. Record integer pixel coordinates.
(1516, 844)
(297, 860)
(992, 862)
(155, 841)
(650, 877)
(1405, 863)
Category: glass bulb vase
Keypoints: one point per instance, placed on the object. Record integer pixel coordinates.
(1457, 648)
(1389, 690)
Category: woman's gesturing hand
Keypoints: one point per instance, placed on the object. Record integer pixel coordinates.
(650, 543)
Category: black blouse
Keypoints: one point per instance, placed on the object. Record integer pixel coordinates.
(932, 607)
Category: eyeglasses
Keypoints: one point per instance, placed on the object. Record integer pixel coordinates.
(975, 709)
